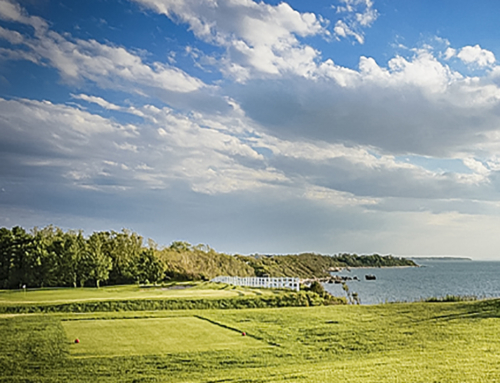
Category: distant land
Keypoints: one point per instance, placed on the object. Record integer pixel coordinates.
(440, 259)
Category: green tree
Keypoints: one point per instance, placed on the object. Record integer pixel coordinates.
(96, 262)
(21, 265)
(46, 256)
(181, 246)
(317, 288)
(124, 249)
(72, 256)
(151, 268)
(6, 260)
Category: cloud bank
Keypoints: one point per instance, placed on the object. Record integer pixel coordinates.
(283, 150)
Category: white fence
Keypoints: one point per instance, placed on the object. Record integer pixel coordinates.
(269, 283)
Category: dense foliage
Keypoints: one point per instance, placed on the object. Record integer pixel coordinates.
(51, 257)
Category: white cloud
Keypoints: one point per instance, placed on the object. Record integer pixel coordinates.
(75, 59)
(108, 66)
(333, 197)
(97, 100)
(343, 30)
(13, 12)
(260, 39)
(476, 166)
(360, 14)
(83, 148)
(476, 55)
(12, 37)
(413, 105)
(449, 53)
(211, 154)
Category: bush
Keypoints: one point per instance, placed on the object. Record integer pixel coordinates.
(452, 298)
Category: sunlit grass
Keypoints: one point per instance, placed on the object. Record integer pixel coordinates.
(129, 292)
(150, 336)
(410, 342)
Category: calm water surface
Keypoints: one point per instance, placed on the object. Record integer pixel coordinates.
(433, 279)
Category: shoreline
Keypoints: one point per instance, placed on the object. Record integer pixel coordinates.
(371, 267)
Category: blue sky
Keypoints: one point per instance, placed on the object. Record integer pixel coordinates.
(271, 127)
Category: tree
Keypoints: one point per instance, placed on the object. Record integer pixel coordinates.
(97, 264)
(21, 265)
(5, 257)
(46, 255)
(181, 246)
(125, 250)
(317, 288)
(151, 269)
(72, 257)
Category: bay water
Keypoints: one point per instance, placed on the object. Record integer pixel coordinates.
(434, 278)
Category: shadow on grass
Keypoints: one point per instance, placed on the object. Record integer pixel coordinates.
(484, 309)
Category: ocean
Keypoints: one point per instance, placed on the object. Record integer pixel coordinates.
(435, 278)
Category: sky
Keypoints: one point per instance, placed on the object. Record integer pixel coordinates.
(327, 126)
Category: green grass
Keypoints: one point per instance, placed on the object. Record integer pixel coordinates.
(70, 295)
(151, 336)
(403, 342)
(179, 296)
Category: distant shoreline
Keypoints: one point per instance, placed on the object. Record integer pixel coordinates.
(347, 268)
(440, 258)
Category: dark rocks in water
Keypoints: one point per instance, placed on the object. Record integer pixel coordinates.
(330, 279)
(370, 277)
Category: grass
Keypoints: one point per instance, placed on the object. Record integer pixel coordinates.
(70, 295)
(151, 336)
(179, 295)
(402, 342)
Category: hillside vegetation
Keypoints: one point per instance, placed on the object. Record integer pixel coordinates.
(51, 257)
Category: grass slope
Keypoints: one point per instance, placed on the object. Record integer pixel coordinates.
(416, 342)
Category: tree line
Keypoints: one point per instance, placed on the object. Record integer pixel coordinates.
(52, 257)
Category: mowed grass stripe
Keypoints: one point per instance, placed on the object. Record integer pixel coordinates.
(44, 297)
(128, 292)
(123, 337)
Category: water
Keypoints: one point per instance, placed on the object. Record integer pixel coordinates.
(433, 279)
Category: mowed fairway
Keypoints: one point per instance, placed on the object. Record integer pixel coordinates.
(121, 337)
(179, 291)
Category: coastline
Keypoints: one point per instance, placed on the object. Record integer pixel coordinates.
(346, 268)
